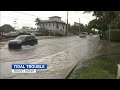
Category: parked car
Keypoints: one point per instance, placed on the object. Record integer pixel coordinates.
(91, 34)
(82, 35)
(22, 40)
(10, 34)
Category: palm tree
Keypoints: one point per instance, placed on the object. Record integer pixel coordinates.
(104, 18)
(37, 20)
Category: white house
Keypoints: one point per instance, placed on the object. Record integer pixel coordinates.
(54, 24)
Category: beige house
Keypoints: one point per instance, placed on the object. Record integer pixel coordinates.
(54, 24)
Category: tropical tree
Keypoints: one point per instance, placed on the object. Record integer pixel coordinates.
(77, 29)
(37, 20)
(43, 31)
(116, 23)
(104, 19)
(74, 29)
(1, 32)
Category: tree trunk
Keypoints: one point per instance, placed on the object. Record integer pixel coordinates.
(103, 35)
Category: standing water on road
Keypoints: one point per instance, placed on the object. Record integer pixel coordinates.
(61, 55)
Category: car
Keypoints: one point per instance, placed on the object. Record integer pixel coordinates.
(22, 40)
(82, 35)
(91, 34)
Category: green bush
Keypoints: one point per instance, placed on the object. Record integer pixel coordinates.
(114, 34)
(38, 34)
(59, 34)
(51, 33)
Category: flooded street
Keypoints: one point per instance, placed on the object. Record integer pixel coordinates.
(61, 55)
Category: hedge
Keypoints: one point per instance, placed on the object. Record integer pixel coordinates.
(114, 34)
(24, 33)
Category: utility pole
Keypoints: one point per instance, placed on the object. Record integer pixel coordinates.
(79, 25)
(67, 24)
(109, 41)
(0, 26)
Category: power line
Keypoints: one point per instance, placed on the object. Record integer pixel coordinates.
(28, 14)
(22, 13)
(17, 18)
(25, 13)
(8, 13)
(29, 21)
(14, 14)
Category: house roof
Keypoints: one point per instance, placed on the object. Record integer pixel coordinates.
(46, 21)
(55, 17)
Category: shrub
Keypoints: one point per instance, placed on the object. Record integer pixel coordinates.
(38, 34)
(58, 34)
(114, 34)
(51, 33)
(24, 33)
(43, 31)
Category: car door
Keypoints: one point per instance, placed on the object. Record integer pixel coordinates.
(27, 40)
(31, 40)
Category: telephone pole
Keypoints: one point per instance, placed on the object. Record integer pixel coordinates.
(67, 24)
(79, 25)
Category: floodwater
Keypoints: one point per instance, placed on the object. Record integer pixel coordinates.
(61, 55)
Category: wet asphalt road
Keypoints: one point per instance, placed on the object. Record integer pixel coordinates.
(61, 55)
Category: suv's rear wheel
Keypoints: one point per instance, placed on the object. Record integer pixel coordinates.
(20, 46)
(32, 44)
(36, 42)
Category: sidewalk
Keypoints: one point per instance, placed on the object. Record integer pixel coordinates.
(103, 66)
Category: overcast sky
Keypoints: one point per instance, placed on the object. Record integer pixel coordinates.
(27, 18)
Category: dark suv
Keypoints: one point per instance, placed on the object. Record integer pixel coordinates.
(22, 40)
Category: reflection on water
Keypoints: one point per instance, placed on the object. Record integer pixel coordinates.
(16, 54)
(59, 63)
(15, 50)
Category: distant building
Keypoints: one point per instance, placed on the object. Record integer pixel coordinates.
(76, 24)
(28, 29)
(54, 24)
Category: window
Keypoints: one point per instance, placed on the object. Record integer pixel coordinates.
(63, 26)
(20, 37)
(28, 38)
(32, 37)
(49, 24)
(43, 25)
(46, 24)
(53, 24)
(57, 26)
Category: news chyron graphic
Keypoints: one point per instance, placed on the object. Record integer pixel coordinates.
(27, 68)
